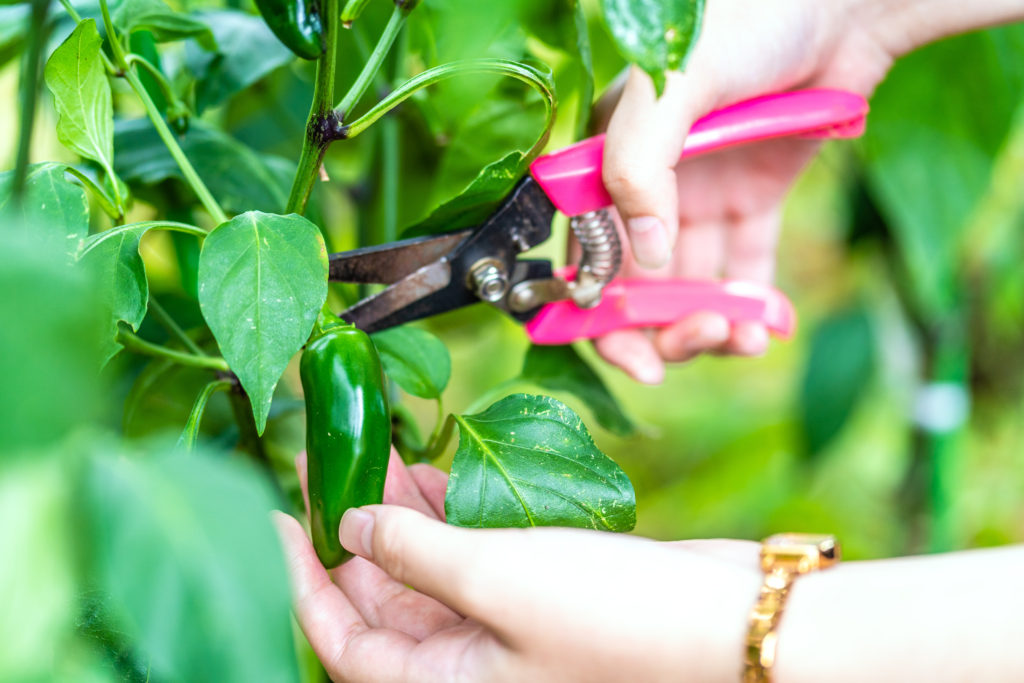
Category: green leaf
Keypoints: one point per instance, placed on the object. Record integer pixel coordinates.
(184, 550)
(14, 24)
(76, 77)
(561, 368)
(839, 367)
(49, 343)
(529, 461)
(36, 575)
(190, 433)
(246, 52)
(240, 178)
(121, 285)
(51, 204)
(415, 359)
(657, 35)
(477, 200)
(929, 151)
(586, 63)
(164, 23)
(262, 281)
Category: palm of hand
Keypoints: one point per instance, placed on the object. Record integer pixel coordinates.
(538, 605)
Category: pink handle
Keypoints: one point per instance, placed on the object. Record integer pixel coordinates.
(658, 303)
(571, 177)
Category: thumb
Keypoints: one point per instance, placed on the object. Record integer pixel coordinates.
(643, 143)
(436, 559)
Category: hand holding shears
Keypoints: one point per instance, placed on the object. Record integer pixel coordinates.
(431, 275)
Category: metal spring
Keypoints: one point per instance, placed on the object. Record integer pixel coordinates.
(602, 251)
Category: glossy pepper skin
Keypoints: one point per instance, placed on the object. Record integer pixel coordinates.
(348, 432)
(296, 23)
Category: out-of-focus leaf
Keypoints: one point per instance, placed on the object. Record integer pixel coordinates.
(529, 461)
(162, 22)
(657, 35)
(52, 205)
(561, 368)
(112, 257)
(415, 359)
(184, 549)
(48, 345)
(98, 628)
(935, 133)
(36, 577)
(586, 67)
(76, 77)
(262, 281)
(238, 177)
(13, 25)
(838, 371)
(247, 51)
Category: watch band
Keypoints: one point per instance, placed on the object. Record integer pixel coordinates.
(783, 558)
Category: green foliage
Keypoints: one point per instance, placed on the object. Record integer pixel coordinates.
(194, 533)
(163, 23)
(81, 93)
(416, 360)
(655, 34)
(120, 275)
(931, 148)
(561, 368)
(51, 205)
(839, 368)
(240, 178)
(47, 358)
(529, 461)
(246, 52)
(262, 281)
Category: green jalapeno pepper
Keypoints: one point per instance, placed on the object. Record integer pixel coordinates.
(348, 432)
(296, 23)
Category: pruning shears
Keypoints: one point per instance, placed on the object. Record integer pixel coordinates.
(434, 274)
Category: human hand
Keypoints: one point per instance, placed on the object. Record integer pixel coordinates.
(425, 601)
(718, 215)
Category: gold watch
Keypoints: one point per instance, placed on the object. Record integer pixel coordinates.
(783, 558)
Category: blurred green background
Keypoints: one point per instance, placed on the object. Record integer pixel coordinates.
(893, 418)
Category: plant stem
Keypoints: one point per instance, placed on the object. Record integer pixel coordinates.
(171, 325)
(322, 125)
(502, 67)
(157, 75)
(436, 446)
(162, 129)
(191, 177)
(372, 66)
(133, 342)
(29, 88)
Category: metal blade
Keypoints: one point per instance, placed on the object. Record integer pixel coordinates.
(389, 263)
(408, 299)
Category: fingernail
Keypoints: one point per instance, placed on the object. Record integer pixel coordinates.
(649, 373)
(712, 332)
(754, 341)
(649, 238)
(357, 532)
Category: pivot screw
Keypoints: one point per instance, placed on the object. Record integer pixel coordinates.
(488, 278)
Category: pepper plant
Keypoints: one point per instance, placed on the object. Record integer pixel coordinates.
(211, 159)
